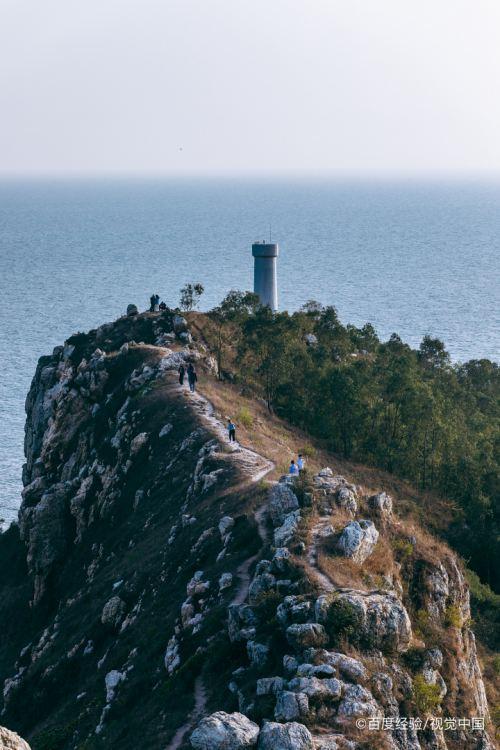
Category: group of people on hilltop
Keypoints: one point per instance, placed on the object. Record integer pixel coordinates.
(155, 305)
(192, 376)
(297, 467)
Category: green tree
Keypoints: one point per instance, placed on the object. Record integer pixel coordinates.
(190, 296)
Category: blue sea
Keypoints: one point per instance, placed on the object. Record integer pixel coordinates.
(413, 257)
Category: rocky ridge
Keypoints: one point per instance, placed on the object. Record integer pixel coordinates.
(162, 567)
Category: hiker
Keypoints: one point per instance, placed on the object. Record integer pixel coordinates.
(192, 377)
(152, 301)
(293, 470)
(301, 464)
(231, 428)
(163, 306)
(156, 302)
(182, 372)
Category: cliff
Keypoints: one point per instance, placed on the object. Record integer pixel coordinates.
(165, 588)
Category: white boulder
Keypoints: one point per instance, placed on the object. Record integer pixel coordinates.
(357, 540)
(289, 736)
(222, 731)
(282, 501)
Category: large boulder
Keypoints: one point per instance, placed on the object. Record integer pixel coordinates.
(282, 501)
(113, 612)
(11, 741)
(291, 705)
(132, 309)
(180, 324)
(284, 533)
(315, 689)
(357, 702)
(381, 504)
(222, 731)
(260, 585)
(379, 621)
(289, 736)
(349, 668)
(305, 635)
(357, 540)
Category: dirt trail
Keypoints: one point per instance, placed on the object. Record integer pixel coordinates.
(312, 558)
(200, 699)
(255, 466)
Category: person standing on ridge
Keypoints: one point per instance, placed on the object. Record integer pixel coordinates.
(301, 464)
(293, 470)
(192, 378)
(231, 428)
(182, 372)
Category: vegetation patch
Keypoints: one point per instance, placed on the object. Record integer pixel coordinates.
(427, 697)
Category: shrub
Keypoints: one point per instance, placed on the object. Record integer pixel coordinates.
(343, 621)
(496, 664)
(244, 417)
(427, 697)
(308, 451)
(423, 625)
(402, 548)
(453, 616)
(495, 718)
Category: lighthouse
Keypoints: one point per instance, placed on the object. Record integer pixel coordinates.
(265, 280)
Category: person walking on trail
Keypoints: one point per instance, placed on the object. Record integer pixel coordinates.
(231, 428)
(293, 469)
(301, 464)
(182, 372)
(192, 378)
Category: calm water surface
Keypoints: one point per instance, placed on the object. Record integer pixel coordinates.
(414, 258)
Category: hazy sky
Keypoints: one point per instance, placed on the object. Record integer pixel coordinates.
(249, 85)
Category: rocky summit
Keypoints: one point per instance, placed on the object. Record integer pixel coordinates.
(165, 588)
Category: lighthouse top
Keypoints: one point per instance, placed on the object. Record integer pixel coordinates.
(265, 249)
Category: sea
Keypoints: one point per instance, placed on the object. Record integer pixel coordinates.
(414, 257)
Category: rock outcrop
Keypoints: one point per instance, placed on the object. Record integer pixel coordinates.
(11, 741)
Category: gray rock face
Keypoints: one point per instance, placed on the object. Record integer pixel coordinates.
(347, 498)
(284, 533)
(305, 635)
(269, 685)
(357, 701)
(113, 612)
(281, 559)
(222, 731)
(43, 528)
(259, 586)
(291, 706)
(317, 689)
(381, 504)
(258, 653)
(282, 501)
(11, 741)
(357, 540)
(289, 736)
(180, 324)
(347, 667)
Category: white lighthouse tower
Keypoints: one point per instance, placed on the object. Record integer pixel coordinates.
(265, 280)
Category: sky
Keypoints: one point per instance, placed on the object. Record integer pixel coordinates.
(183, 87)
